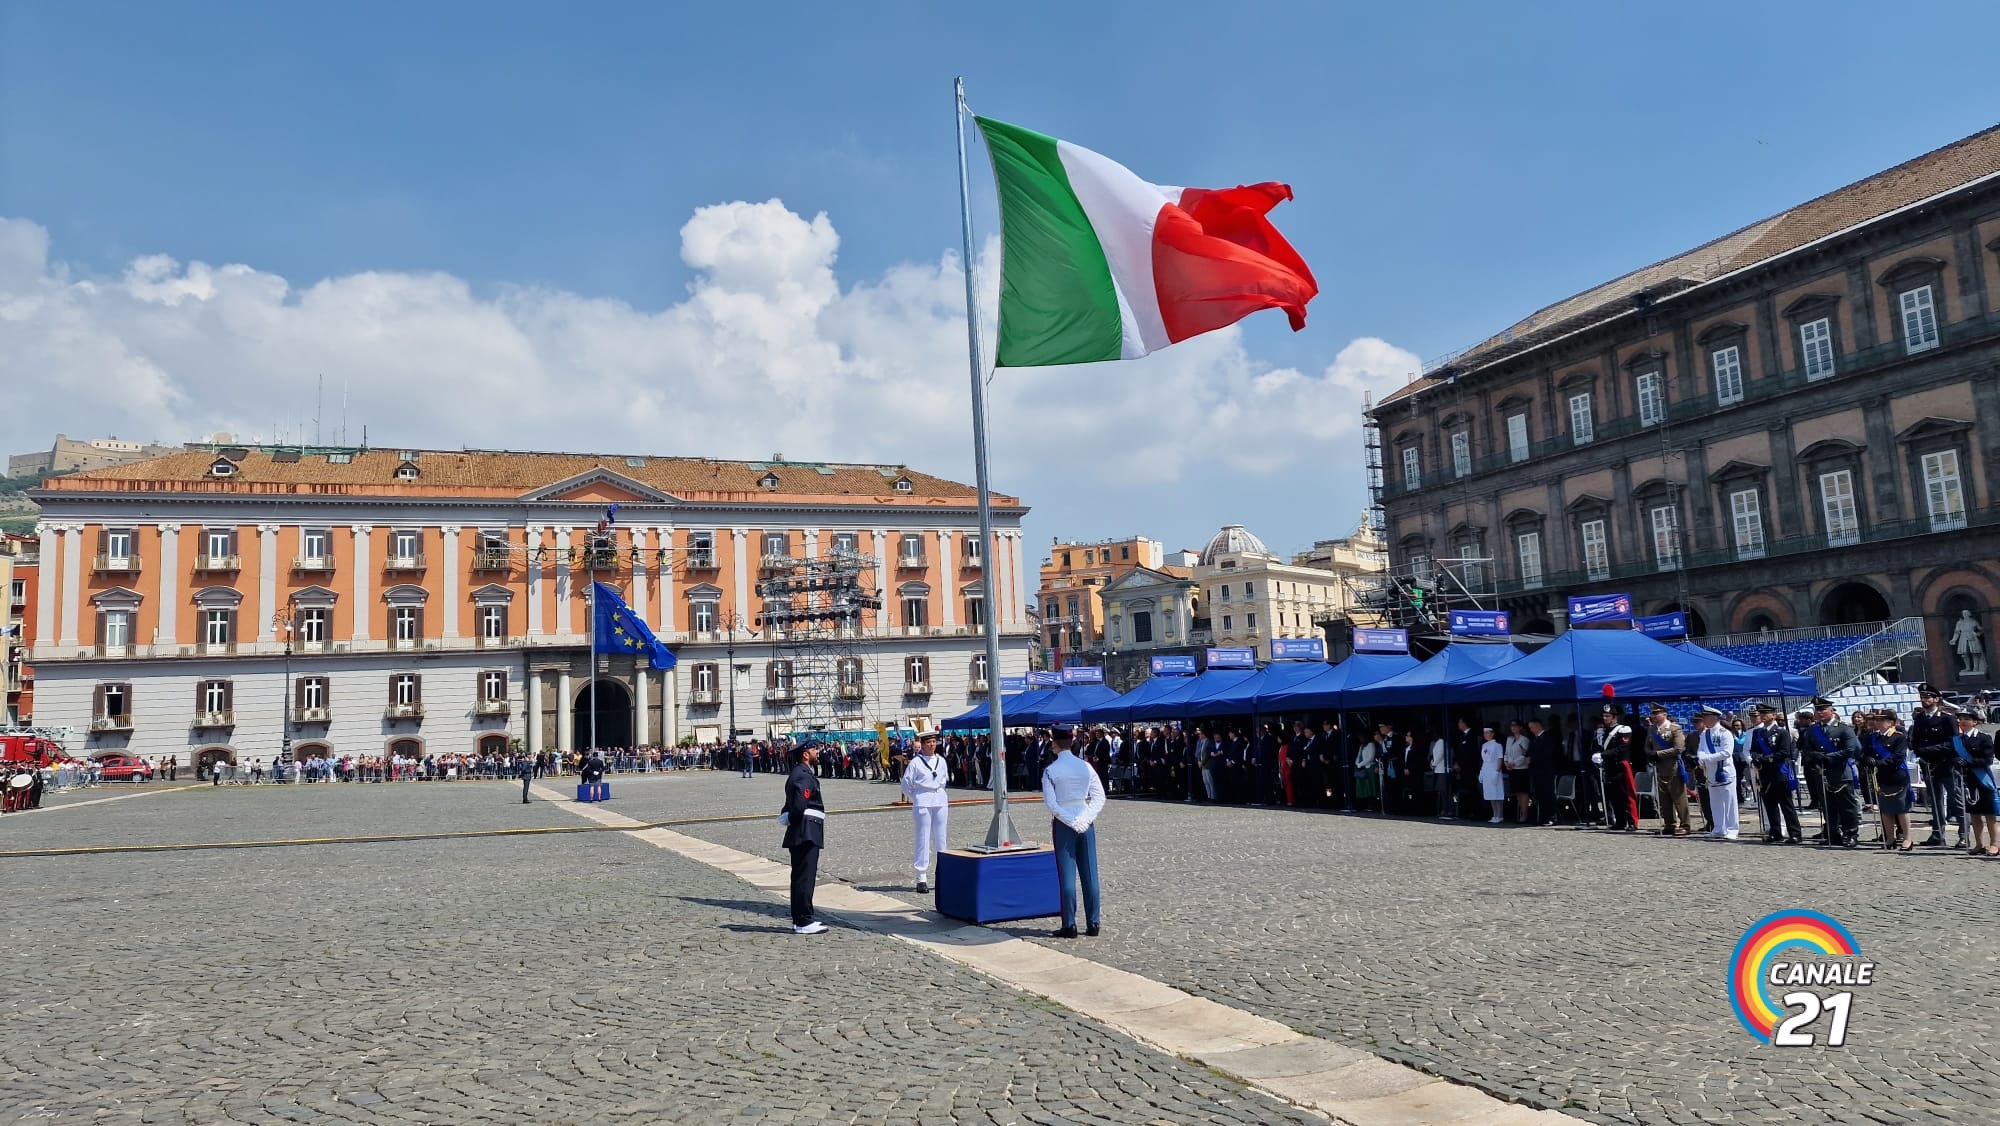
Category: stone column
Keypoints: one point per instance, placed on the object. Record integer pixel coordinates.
(741, 576)
(947, 582)
(44, 642)
(670, 719)
(565, 600)
(451, 562)
(167, 632)
(535, 575)
(641, 723)
(363, 566)
(565, 716)
(639, 575)
(267, 584)
(533, 735)
(72, 583)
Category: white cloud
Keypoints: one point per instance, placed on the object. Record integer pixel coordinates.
(767, 353)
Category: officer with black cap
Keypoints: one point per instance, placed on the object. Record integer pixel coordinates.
(1832, 746)
(1932, 730)
(1774, 753)
(804, 819)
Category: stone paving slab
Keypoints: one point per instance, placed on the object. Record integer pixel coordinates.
(578, 978)
(1572, 970)
(1361, 1092)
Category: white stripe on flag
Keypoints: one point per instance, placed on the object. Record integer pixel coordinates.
(1122, 210)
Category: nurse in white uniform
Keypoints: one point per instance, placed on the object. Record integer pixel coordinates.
(923, 785)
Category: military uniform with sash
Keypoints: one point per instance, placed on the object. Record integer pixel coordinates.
(1831, 746)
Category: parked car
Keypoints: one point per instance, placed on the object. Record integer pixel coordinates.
(124, 768)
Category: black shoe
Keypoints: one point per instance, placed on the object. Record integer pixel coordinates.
(1791, 840)
(923, 888)
(1090, 931)
(1063, 932)
(1851, 844)
(1934, 842)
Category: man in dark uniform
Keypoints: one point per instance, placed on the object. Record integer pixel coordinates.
(525, 767)
(804, 819)
(1774, 753)
(1932, 729)
(593, 768)
(1832, 746)
(1621, 793)
(1544, 754)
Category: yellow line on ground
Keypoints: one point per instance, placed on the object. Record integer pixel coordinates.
(391, 838)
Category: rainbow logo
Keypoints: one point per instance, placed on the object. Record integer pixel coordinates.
(1767, 938)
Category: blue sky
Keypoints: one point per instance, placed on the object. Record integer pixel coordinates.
(1456, 166)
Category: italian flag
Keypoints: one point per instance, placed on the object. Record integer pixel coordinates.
(1097, 264)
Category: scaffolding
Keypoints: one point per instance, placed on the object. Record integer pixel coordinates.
(816, 613)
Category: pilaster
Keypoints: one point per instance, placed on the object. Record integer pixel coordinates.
(947, 581)
(535, 581)
(740, 573)
(451, 563)
(267, 583)
(364, 569)
(166, 633)
(72, 583)
(639, 599)
(565, 597)
(45, 592)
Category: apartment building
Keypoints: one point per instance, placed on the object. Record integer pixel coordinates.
(232, 601)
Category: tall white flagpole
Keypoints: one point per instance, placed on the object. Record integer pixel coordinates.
(1001, 835)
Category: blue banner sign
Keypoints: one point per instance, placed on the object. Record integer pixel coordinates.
(1298, 649)
(1083, 674)
(1013, 684)
(1381, 640)
(1588, 608)
(1477, 623)
(1664, 625)
(1232, 658)
(1041, 679)
(1173, 666)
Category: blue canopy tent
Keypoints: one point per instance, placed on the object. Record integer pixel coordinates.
(1434, 682)
(1062, 705)
(1244, 697)
(975, 720)
(1796, 684)
(1174, 705)
(1578, 664)
(1323, 692)
(1120, 709)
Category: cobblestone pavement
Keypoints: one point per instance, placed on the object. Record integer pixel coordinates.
(556, 979)
(1574, 970)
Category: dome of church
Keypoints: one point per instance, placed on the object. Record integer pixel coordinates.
(1232, 539)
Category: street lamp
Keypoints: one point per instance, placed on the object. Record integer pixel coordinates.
(730, 621)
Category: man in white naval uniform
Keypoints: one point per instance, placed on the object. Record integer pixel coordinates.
(923, 784)
(1715, 749)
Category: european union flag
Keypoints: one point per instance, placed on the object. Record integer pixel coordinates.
(619, 630)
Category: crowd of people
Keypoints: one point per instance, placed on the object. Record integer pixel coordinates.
(1528, 770)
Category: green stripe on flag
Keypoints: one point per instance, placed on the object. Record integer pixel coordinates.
(1057, 301)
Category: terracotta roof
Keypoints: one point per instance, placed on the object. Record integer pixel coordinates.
(1935, 172)
(510, 474)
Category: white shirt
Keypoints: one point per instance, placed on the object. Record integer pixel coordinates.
(1717, 750)
(924, 779)
(1072, 792)
(1440, 757)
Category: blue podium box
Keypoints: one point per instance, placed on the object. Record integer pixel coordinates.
(593, 791)
(981, 887)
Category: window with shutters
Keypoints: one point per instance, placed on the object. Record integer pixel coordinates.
(975, 552)
(1747, 521)
(1250, 621)
(1413, 468)
(114, 701)
(1652, 404)
(1461, 452)
(701, 616)
(408, 624)
(212, 697)
(313, 626)
(777, 545)
(704, 678)
(493, 686)
(1666, 536)
(311, 693)
(978, 670)
(1843, 521)
(701, 551)
(1920, 327)
(910, 552)
(1582, 424)
(493, 623)
(1596, 552)
(1517, 437)
(116, 631)
(1943, 494)
(846, 543)
(778, 679)
(218, 550)
(1528, 548)
(975, 609)
(916, 610)
(916, 670)
(218, 628)
(847, 672)
(406, 546)
(1726, 365)
(406, 689)
(1816, 348)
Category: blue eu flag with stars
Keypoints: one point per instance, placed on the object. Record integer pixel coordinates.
(619, 630)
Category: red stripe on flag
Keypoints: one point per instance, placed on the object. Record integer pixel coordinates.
(1217, 259)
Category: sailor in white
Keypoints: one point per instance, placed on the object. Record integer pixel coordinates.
(923, 785)
(1715, 749)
